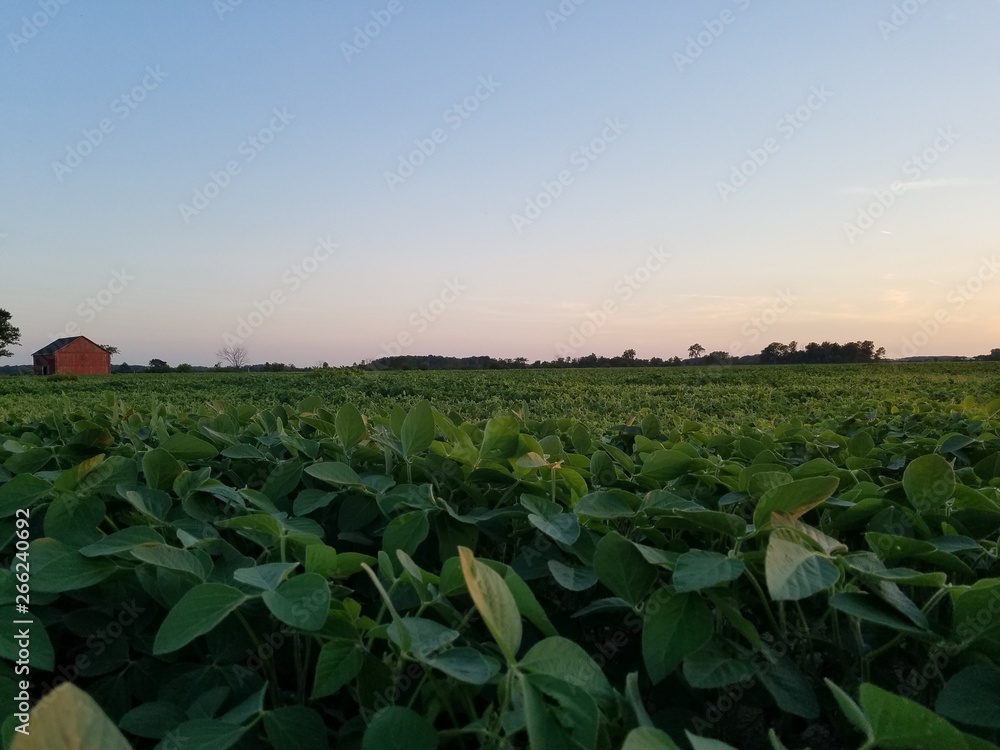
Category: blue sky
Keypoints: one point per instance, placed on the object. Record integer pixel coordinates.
(332, 182)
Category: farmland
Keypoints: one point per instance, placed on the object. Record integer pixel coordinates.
(767, 557)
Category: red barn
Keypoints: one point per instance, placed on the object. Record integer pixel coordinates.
(78, 355)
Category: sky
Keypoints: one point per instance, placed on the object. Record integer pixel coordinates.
(340, 181)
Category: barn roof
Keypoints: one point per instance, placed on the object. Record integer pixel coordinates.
(59, 344)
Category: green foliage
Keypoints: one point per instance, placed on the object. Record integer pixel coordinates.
(311, 574)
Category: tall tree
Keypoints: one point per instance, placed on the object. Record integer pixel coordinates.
(234, 356)
(696, 350)
(9, 335)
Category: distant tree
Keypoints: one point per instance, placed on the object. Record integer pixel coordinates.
(629, 355)
(185, 367)
(235, 356)
(158, 365)
(125, 368)
(880, 353)
(719, 358)
(9, 335)
(695, 351)
(994, 354)
(112, 350)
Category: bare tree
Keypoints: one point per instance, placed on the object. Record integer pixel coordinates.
(234, 356)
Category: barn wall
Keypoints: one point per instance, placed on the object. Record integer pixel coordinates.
(83, 358)
(40, 364)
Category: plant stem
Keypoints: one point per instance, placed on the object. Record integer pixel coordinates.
(271, 672)
(764, 601)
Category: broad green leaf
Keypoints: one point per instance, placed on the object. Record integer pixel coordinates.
(794, 498)
(71, 479)
(406, 532)
(426, 636)
(977, 610)
(699, 569)
(398, 728)
(69, 719)
(57, 567)
(929, 482)
(153, 720)
(986, 469)
(564, 527)
(122, 541)
(649, 738)
(623, 569)
(790, 688)
(570, 578)
(562, 658)
(662, 466)
(464, 664)
(851, 709)
(900, 723)
(330, 564)
(570, 724)
(302, 601)
(673, 629)
(21, 492)
(262, 523)
(160, 469)
(861, 444)
(334, 472)
(793, 571)
(197, 612)
(296, 728)
(350, 426)
(972, 697)
(268, 576)
(418, 429)
(154, 503)
(189, 448)
(499, 439)
(74, 519)
(283, 479)
(339, 662)
(527, 602)
(715, 666)
(172, 558)
(494, 601)
(866, 607)
(603, 504)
